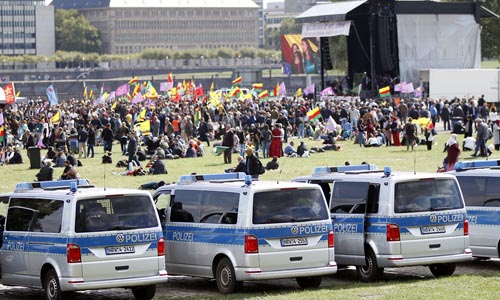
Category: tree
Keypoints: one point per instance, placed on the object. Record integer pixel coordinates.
(287, 26)
(490, 34)
(75, 33)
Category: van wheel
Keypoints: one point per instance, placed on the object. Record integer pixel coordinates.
(52, 287)
(371, 272)
(440, 270)
(309, 282)
(144, 292)
(225, 277)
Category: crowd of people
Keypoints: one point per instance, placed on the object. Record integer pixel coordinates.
(178, 129)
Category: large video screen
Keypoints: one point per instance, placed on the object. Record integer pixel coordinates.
(300, 55)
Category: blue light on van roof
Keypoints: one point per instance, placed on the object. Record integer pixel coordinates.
(464, 165)
(26, 186)
(342, 169)
(248, 179)
(387, 171)
(185, 179)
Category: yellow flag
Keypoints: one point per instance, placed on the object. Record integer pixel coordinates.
(215, 98)
(85, 93)
(18, 93)
(55, 118)
(298, 93)
(144, 127)
(212, 87)
(142, 116)
(114, 105)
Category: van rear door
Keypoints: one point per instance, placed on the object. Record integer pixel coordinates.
(292, 227)
(118, 237)
(430, 214)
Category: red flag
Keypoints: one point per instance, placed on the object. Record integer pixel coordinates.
(169, 78)
(10, 93)
(177, 97)
(198, 92)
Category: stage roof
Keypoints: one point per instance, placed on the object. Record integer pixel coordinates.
(331, 12)
(337, 11)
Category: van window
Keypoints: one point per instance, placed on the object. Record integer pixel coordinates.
(115, 213)
(492, 198)
(427, 195)
(186, 206)
(349, 197)
(220, 207)
(206, 207)
(293, 205)
(39, 215)
(473, 188)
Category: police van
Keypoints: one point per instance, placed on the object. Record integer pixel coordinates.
(65, 236)
(228, 228)
(480, 184)
(383, 219)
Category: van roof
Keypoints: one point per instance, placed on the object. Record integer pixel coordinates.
(371, 175)
(238, 185)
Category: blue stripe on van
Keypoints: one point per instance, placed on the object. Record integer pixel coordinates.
(236, 236)
(56, 244)
(484, 216)
(344, 223)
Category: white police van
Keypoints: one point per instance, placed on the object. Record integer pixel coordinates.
(67, 235)
(384, 219)
(225, 226)
(480, 184)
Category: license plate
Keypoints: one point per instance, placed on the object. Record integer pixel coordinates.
(119, 250)
(433, 229)
(294, 241)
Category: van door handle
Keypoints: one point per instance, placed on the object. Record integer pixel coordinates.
(435, 246)
(296, 258)
(121, 268)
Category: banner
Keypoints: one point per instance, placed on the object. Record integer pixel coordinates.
(312, 30)
(10, 93)
(300, 55)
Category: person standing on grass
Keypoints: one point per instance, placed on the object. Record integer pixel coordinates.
(107, 138)
(481, 136)
(82, 140)
(90, 140)
(228, 141)
(410, 134)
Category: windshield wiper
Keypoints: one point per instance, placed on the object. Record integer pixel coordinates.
(441, 208)
(304, 219)
(124, 227)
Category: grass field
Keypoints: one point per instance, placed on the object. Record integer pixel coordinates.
(99, 174)
(420, 160)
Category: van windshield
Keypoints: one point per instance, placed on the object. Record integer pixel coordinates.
(293, 205)
(115, 213)
(427, 195)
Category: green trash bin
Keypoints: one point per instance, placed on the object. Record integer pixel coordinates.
(34, 156)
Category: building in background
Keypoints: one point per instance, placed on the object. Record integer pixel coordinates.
(132, 26)
(299, 6)
(26, 28)
(260, 3)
